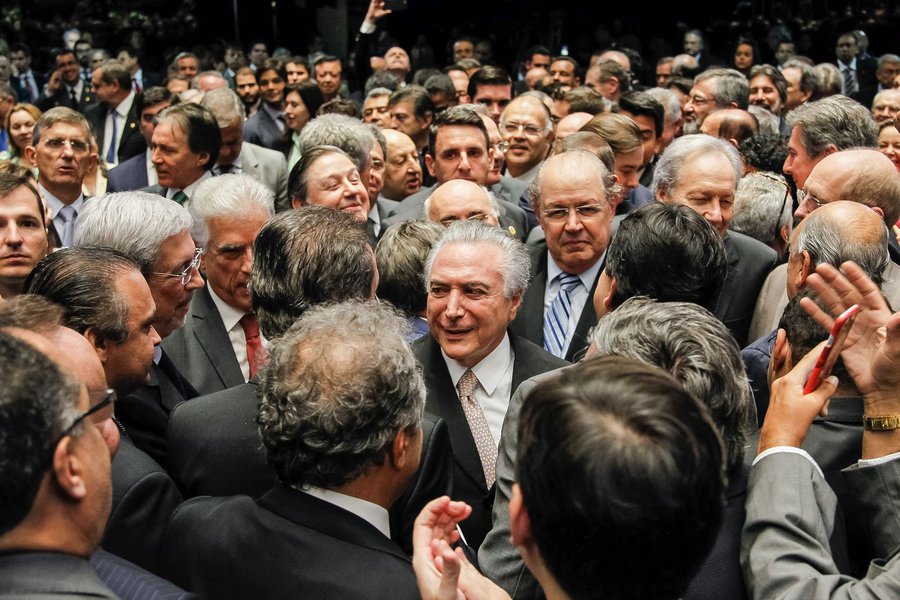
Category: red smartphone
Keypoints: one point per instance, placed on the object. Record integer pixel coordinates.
(832, 349)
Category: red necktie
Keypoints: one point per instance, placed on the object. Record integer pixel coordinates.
(256, 355)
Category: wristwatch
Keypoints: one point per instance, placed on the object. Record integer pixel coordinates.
(882, 423)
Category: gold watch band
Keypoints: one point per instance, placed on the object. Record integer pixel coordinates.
(882, 423)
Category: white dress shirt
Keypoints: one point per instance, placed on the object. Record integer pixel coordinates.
(578, 295)
(231, 318)
(189, 190)
(120, 115)
(55, 205)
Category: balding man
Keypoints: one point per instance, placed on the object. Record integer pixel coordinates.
(461, 200)
(885, 105)
(714, 90)
(731, 124)
(526, 126)
(402, 171)
(864, 176)
(703, 172)
(571, 123)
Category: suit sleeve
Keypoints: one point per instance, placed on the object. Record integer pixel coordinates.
(784, 548)
(282, 202)
(498, 558)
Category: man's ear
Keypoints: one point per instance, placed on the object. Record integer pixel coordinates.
(429, 164)
(91, 335)
(30, 153)
(806, 269)
(403, 449)
(296, 202)
(68, 469)
(607, 302)
(829, 149)
(780, 363)
(519, 521)
(427, 121)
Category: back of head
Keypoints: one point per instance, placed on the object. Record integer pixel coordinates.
(669, 253)
(134, 223)
(587, 141)
(872, 181)
(225, 106)
(804, 334)
(736, 124)
(762, 207)
(834, 121)
(729, 86)
(400, 256)
(643, 474)
(37, 402)
(621, 133)
(304, 257)
(765, 152)
(340, 384)
(697, 349)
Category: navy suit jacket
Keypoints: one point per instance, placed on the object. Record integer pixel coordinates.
(130, 582)
(128, 175)
(442, 401)
(260, 129)
(131, 143)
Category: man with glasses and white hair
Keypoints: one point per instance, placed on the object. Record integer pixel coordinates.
(762, 210)
(220, 345)
(155, 233)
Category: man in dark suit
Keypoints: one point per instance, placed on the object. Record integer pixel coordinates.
(155, 233)
(65, 86)
(236, 155)
(220, 345)
(31, 83)
(573, 207)
(702, 173)
(459, 148)
(859, 80)
(185, 142)
(266, 127)
(476, 276)
(115, 116)
(141, 80)
(348, 371)
(139, 172)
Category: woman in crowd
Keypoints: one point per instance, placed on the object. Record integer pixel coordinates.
(301, 102)
(19, 123)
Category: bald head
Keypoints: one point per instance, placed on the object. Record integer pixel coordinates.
(459, 200)
(571, 123)
(619, 57)
(861, 175)
(731, 124)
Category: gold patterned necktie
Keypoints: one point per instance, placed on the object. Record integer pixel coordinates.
(484, 440)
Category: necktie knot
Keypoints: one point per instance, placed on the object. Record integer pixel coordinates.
(250, 325)
(67, 213)
(467, 384)
(180, 197)
(567, 281)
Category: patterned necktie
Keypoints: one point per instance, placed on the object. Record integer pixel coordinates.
(556, 322)
(256, 355)
(849, 81)
(180, 197)
(69, 215)
(111, 153)
(484, 440)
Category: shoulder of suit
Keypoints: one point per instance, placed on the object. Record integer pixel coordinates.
(261, 152)
(748, 245)
(523, 347)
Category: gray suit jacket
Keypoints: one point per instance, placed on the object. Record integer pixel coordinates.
(269, 167)
(260, 129)
(790, 517)
(511, 215)
(202, 350)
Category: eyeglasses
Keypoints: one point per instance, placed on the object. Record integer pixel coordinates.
(501, 147)
(585, 211)
(78, 146)
(787, 194)
(513, 128)
(446, 222)
(699, 100)
(185, 276)
(109, 398)
(803, 196)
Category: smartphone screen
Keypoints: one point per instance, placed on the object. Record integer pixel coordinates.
(832, 349)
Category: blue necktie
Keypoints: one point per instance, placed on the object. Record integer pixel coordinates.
(556, 322)
(111, 153)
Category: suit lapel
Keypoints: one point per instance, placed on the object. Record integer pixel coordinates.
(442, 401)
(529, 322)
(587, 320)
(212, 337)
(728, 287)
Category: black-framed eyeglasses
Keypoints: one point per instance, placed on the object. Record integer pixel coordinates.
(185, 276)
(109, 398)
(787, 194)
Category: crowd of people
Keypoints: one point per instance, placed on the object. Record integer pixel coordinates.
(267, 331)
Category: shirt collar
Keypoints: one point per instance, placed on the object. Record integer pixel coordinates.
(587, 277)
(489, 371)
(377, 516)
(55, 204)
(125, 105)
(230, 315)
(373, 213)
(851, 64)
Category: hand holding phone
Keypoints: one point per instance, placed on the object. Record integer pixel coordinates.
(832, 349)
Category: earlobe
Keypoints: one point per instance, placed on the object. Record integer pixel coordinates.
(429, 164)
(519, 521)
(607, 302)
(67, 469)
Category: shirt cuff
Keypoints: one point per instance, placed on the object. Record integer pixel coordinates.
(788, 450)
(871, 462)
(367, 27)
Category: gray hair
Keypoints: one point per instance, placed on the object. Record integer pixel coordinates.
(829, 79)
(378, 92)
(665, 176)
(134, 223)
(766, 120)
(757, 201)
(349, 134)
(696, 348)
(225, 106)
(516, 262)
(670, 102)
(492, 200)
(728, 85)
(589, 162)
(826, 240)
(809, 80)
(195, 80)
(61, 114)
(836, 120)
(887, 58)
(400, 256)
(339, 386)
(228, 195)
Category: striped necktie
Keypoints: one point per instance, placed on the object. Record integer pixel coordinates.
(556, 321)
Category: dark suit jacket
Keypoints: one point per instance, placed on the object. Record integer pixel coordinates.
(62, 98)
(529, 322)
(442, 401)
(131, 143)
(46, 575)
(749, 263)
(128, 175)
(260, 129)
(866, 80)
(216, 450)
(286, 544)
(202, 350)
(130, 582)
(144, 498)
(145, 412)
